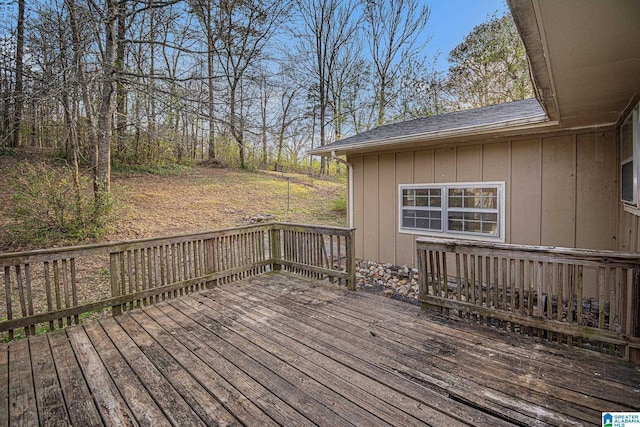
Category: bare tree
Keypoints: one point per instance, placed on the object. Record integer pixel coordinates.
(245, 29)
(205, 11)
(267, 89)
(18, 95)
(328, 26)
(81, 81)
(394, 28)
(286, 118)
(349, 71)
(107, 99)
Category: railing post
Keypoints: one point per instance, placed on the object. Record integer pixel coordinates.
(274, 241)
(423, 289)
(350, 261)
(114, 273)
(634, 314)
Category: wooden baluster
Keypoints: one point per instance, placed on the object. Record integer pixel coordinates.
(423, 289)
(511, 284)
(445, 277)
(559, 275)
(579, 301)
(162, 267)
(480, 287)
(27, 273)
(458, 294)
(521, 267)
(56, 286)
(467, 282)
(601, 291)
(7, 295)
(572, 309)
(115, 282)
(65, 287)
(137, 276)
(186, 272)
(350, 261)
(129, 269)
(47, 286)
(145, 275)
(21, 296)
(614, 302)
(74, 288)
(431, 276)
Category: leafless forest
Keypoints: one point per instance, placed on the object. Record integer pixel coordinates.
(246, 83)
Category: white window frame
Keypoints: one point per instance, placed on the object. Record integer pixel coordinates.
(633, 119)
(444, 231)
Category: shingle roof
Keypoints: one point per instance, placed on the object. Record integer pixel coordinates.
(501, 116)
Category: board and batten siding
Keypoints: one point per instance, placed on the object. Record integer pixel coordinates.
(560, 191)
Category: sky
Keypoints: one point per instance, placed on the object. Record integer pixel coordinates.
(452, 20)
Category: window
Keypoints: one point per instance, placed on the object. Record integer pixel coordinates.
(469, 210)
(629, 155)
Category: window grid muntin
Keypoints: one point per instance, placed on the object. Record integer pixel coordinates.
(411, 195)
(487, 228)
(433, 219)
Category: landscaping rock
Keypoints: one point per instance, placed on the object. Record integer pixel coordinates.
(388, 279)
(256, 219)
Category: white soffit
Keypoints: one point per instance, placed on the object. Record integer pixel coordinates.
(585, 56)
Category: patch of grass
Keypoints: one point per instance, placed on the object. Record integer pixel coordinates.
(7, 151)
(162, 170)
(48, 207)
(339, 204)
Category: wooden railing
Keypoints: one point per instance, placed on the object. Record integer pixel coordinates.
(52, 288)
(575, 297)
(316, 252)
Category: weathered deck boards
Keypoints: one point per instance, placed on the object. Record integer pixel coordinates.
(279, 349)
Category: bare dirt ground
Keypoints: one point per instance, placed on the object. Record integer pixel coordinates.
(200, 199)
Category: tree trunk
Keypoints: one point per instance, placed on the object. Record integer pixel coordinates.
(5, 125)
(210, 81)
(121, 90)
(92, 134)
(237, 130)
(382, 100)
(18, 96)
(105, 115)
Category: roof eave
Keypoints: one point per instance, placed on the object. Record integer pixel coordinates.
(526, 17)
(435, 136)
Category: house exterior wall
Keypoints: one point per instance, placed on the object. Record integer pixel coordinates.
(561, 190)
(628, 239)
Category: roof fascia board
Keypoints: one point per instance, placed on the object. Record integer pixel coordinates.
(527, 16)
(549, 129)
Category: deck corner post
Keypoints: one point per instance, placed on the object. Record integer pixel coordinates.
(115, 281)
(274, 240)
(350, 260)
(423, 289)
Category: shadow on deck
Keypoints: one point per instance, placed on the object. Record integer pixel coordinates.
(279, 349)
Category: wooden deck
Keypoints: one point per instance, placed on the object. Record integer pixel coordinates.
(278, 349)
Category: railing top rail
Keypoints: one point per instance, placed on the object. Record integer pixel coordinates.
(99, 248)
(321, 229)
(551, 253)
(41, 255)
